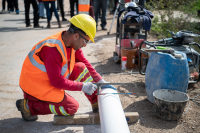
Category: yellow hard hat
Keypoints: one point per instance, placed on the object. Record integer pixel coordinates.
(86, 23)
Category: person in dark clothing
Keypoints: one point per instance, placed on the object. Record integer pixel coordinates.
(9, 4)
(101, 4)
(47, 3)
(14, 4)
(27, 4)
(60, 5)
(4, 5)
(57, 7)
(72, 2)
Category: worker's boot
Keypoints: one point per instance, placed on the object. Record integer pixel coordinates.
(95, 107)
(26, 114)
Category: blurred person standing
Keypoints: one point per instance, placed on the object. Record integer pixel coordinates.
(100, 4)
(72, 2)
(27, 4)
(3, 5)
(57, 7)
(53, 7)
(14, 4)
(60, 5)
(42, 10)
(9, 4)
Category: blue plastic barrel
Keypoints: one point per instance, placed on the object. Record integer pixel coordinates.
(164, 71)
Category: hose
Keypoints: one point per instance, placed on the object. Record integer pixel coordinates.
(151, 45)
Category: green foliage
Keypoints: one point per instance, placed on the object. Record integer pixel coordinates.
(196, 5)
(192, 7)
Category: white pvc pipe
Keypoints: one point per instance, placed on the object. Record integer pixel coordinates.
(111, 113)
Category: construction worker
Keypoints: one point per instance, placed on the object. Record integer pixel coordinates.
(56, 64)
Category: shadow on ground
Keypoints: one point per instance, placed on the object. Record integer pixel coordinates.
(100, 37)
(148, 118)
(18, 125)
(16, 29)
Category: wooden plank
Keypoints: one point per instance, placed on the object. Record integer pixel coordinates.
(90, 118)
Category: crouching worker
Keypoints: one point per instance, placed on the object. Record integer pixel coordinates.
(56, 64)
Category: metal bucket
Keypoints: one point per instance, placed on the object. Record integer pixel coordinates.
(170, 104)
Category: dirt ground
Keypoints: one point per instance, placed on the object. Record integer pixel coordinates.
(16, 41)
(148, 121)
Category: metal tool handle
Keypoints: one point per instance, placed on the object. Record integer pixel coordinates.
(100, 84)
(171, 51)
(117, 93)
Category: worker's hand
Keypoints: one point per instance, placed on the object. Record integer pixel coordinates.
(89, 88)
(102, 81)
(108, 86)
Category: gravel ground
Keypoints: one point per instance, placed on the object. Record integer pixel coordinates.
(148, 121)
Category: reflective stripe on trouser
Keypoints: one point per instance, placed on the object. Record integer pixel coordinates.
(69, 105)
(61, 109)
(83, 76)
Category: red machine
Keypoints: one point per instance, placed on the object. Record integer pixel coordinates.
(128, 43)
(129, 34)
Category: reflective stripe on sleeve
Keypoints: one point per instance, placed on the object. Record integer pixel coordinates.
(89, 79)
(52, 108)
(63, 111)
(42, 67)
(64, 69)
(35, 63)
(52, 41)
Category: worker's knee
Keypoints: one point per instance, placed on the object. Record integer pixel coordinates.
(80, 66)
(70, 104)
(73, 109)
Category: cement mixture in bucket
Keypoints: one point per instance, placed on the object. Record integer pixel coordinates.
(170, 104)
